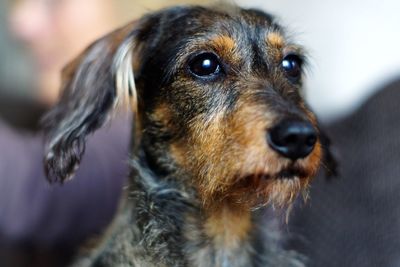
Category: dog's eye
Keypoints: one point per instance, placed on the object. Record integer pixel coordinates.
(291, 64)
(206, 64)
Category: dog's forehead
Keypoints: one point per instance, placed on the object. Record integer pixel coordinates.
(199, 23)
(185, 31)
(245, 40)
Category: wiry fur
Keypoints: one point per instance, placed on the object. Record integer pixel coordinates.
(202, 170)
(161, 226)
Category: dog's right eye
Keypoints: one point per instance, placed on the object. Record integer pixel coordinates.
(206, 64)
(291, 64)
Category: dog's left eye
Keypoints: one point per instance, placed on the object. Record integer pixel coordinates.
(205, 64)
(291, 64)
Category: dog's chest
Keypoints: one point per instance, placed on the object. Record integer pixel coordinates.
(161, 228)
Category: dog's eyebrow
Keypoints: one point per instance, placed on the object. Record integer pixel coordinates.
(275, 39)
(295, 49)
(223, 43)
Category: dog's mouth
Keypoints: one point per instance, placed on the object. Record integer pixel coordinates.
(287, 173)
(279, 188)
(290, 173)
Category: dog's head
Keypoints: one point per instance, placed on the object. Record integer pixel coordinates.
(217, 97)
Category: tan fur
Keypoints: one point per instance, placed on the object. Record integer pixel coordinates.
(162, 113)
(225, 46)
(178, 153)
(239, 162)
(228, 225)
(275, 43)
(275, 39)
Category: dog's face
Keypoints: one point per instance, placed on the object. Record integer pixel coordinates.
(217, 98)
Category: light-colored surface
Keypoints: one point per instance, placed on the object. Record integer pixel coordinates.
(354, 47)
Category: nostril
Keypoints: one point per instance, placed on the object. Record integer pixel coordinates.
(293, 139)
(290, 139)
(311, 140)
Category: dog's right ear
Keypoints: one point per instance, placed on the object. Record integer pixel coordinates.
(92, 86)
(329, 161)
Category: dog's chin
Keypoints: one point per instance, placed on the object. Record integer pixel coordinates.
(278, 190)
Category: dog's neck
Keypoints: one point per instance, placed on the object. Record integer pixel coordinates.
(169, 220)
(227, 226)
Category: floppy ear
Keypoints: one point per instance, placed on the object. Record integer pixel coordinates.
(92, 86)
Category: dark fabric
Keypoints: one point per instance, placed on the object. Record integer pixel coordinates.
(36, 215)
(20, 113)
(355, 220)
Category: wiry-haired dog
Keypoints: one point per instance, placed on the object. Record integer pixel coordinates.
(220, 131)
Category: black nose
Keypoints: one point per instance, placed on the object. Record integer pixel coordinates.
(293, 139)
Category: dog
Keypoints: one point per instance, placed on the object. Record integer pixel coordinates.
(221, 132)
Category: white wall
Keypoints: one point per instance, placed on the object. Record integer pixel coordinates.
(354, 47)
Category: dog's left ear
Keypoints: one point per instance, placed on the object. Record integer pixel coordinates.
(93, 84)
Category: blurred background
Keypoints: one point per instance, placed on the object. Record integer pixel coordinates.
(38, 37)
(353, 48)
(355, 60)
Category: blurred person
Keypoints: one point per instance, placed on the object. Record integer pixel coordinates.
(41, 225)
(54, 31)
